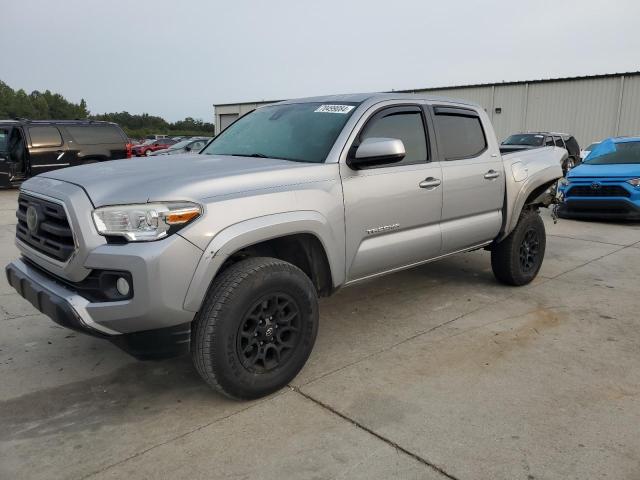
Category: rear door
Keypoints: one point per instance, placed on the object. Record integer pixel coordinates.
(392, 212)
(472, 178)
(47, 150)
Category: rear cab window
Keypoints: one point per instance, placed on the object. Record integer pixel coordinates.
(460, 133)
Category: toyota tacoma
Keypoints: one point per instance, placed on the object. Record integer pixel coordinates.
(224, 253)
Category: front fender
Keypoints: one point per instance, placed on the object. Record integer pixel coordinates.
(524, 173)
(255, 230)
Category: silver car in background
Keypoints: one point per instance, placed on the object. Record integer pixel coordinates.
(194, 144)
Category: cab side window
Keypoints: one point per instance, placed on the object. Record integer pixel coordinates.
(45, 137)
(403, 123)
(559, 142)
(460, 133)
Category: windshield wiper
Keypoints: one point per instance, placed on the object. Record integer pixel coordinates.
(261, 155)
(254, 155)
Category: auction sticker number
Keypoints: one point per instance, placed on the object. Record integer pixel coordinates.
(334, 108)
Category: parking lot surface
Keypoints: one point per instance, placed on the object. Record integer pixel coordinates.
(432, 373)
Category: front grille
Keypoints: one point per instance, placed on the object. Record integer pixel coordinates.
(52, 234)
(601, 191)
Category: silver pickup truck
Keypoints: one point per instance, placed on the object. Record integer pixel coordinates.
(224, 253)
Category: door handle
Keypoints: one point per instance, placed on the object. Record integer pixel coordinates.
(430, 182)
(491, 174)
(60, 154)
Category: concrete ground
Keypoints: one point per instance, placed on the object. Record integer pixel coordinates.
(436, 372)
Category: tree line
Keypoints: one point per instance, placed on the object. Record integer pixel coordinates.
(46, 106)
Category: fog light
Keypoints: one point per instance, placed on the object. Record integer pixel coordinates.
(123, 286)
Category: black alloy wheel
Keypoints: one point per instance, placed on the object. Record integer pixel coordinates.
(529, 250)
(269, 333)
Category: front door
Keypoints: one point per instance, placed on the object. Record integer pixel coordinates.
(47, 150)
(472, 178)
(392, 212)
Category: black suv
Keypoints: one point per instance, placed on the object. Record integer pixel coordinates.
(30, 147)
(525, 141)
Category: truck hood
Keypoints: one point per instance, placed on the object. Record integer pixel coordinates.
(617, 170)
(182, 177)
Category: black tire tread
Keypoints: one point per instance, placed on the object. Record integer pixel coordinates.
(206, 324)
(505, 267)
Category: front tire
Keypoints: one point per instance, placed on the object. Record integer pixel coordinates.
(517, 259)
(256, 328)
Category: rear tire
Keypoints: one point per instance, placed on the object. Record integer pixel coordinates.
(517, 259)
(256, 328)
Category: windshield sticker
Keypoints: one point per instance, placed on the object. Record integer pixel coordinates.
(334, 108)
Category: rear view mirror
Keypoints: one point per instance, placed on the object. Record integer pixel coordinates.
(377, 151)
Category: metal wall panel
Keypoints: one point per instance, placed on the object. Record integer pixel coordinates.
(222, 111)
(226, 119)
(587, 108)
(479, 95)
(510, 99)
(630, 111)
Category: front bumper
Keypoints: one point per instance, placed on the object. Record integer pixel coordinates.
(611, 200)
(606, 209)
(59, 304)
(70, 310)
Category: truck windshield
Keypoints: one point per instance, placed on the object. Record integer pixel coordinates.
(525, 139)
(610, 152)
(301, 132)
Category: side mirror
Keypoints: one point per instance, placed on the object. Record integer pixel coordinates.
(377, 151)
(187, 148)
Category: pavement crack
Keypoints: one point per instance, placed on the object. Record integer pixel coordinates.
(585, 240)
(622, 247)
(380, 437)
(171, 440)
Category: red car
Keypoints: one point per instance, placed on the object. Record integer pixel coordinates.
(150, 146)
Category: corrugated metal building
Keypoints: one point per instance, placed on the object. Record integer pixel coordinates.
(591, 107)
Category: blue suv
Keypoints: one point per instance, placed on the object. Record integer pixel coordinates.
(607, 183)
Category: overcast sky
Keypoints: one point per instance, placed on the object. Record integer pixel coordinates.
(177, 58)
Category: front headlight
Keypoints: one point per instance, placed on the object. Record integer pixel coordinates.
(145, 222)
(634, 181)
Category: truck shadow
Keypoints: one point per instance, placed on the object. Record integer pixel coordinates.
(146, 391)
